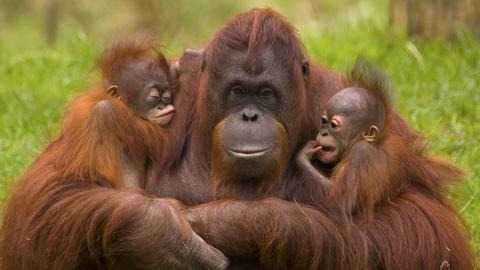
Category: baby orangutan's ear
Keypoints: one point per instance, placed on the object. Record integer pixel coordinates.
(112, 91)
(372, 134)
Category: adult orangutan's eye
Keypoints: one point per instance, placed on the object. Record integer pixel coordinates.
(237, 90)
(266, 93)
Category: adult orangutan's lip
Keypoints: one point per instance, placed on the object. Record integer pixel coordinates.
(248, 152)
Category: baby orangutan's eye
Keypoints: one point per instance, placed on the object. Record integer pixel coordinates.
(166, 97)
(324, 120)
(335, 123)
(153, 94)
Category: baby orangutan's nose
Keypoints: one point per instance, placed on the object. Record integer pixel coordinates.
(323, 133)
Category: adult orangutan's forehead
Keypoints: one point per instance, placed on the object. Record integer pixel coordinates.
(263, 66)
(265, 60)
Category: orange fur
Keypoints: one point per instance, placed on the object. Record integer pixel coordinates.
(71, 209)
(387, 208)
(74, 177)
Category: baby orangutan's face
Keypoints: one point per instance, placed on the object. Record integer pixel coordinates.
(158, 106)
(145, 89)
(347, 117)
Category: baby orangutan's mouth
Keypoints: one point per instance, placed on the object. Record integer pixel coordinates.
(328, 148)
(327, 154)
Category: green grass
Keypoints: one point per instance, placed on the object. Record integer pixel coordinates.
(436, 85)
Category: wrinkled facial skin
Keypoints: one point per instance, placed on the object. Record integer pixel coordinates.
(144, 87)
(251, 105)
(346, 116)
(249, 143)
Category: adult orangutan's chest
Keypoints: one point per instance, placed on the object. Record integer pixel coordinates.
(187, 186)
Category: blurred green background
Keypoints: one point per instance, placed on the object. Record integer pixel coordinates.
(48, 49)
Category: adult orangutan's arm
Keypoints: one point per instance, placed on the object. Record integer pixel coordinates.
(281, 234)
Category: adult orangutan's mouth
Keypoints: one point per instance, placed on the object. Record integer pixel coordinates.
(248, 152)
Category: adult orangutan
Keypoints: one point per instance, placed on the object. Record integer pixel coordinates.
(254, 106)
(73, 208)
(253, 74)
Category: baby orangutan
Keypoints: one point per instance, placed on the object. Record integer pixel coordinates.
(352, 116)
(83, 204)
(366, 171)
(140, 81)
(350, 144)
(114, 132)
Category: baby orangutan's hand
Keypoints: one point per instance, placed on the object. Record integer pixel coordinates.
(307, 153)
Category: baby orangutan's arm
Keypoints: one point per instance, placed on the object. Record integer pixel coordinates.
(304, 162)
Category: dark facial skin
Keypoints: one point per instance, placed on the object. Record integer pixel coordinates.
(144, 87)
(251, 139)
(348, 116)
